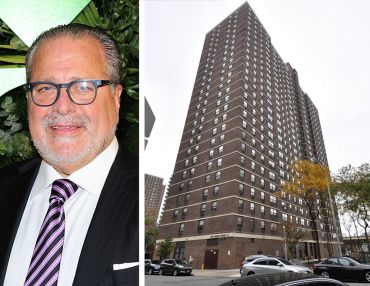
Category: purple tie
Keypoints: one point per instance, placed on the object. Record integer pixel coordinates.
(46, 257)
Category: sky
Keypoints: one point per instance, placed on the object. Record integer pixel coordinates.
(326, 41)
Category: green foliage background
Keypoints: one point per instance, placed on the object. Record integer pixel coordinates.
(119, 19)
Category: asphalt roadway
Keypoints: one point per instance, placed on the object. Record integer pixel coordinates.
(203, 278)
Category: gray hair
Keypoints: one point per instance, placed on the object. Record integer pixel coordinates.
(74, 30)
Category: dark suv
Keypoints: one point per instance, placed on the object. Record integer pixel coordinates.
(175, 267)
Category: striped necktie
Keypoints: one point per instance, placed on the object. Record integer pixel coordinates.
(46, 257)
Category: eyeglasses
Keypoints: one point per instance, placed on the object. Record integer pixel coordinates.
(81, 92)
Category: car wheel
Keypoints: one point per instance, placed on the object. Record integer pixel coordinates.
(150, 271)
(175, 272)
(367, 276)
(325, 274)
(250, 273)
(160, 272)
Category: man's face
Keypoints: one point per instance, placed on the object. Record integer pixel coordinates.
(69, 136)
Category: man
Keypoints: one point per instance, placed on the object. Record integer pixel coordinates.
(69, 218)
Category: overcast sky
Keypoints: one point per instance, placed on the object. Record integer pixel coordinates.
(326, 41)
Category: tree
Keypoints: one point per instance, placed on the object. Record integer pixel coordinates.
(165, 248)
(352, 187)
(151, 232)
(309, 182)
(292, 236)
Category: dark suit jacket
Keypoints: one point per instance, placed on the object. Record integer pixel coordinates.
(113, 235)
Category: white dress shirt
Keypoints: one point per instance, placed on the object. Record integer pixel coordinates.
(79, 210)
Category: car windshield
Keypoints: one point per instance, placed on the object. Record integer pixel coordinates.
(286, 262)
(183, 262)
(155, 261)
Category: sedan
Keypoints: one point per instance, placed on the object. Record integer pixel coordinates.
(175, 267)
(271, 264)
(284, 279)
(343, 268)
(151, 266)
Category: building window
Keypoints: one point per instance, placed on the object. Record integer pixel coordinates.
(219, 162)
(262, 211)
(210, 154)
(263, 226)
(208, 178)
(216, 190)
(184, 212)
(273, 227)
(195, 159)
(273, 213)
(252, 224)
(244, 135)
(220, 149)
(240, 205)
(181, 228)
(209, 166)
(181, 187)
(253, 178)
(218, 175)
(242, 147)
(186, 198)
(241, 189)
(239, 223)
(192, 171)
(272, 200)
(190, 183)
(205, 194)
(262, 196)
(200, 225)
(214, 206)
(175, 213)
(242, 174)
(252, 208)
(203, 208)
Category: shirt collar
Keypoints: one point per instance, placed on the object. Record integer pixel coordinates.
(91, 177)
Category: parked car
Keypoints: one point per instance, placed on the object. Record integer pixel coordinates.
(343, 268)
(284, 279)
(271, 264)
(175, 267)
(152, 266)
(250, 258)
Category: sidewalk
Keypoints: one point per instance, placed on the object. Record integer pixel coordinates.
(232, 273)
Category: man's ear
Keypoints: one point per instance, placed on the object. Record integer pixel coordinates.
(117, 96)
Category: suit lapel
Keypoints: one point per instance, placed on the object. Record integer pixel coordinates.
(15, 187)
(106, 234)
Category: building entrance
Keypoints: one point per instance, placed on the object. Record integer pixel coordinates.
(210, 259)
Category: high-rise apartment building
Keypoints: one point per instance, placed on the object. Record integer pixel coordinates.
(248, 119)
(154, 191)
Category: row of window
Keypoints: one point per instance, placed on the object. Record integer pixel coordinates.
(239, 226)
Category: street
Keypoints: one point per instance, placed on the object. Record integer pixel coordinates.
(199, 280)
(156, 280)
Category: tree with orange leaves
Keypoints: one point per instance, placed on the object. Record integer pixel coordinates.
(309, 181)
